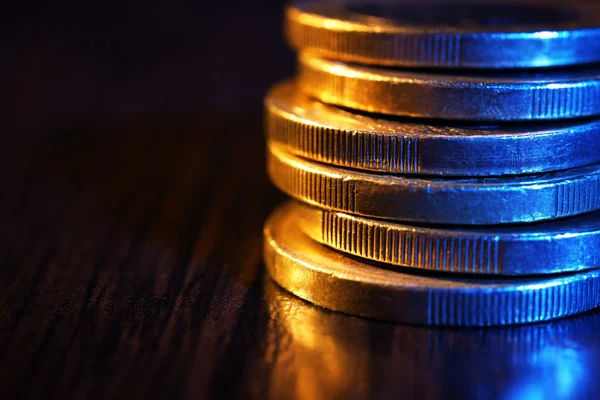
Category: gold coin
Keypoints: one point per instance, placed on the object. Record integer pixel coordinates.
(456, 34)
(336, 281)
(562, 245)
(483, 201)
(492, 96)
(328, 134)
(332, 356)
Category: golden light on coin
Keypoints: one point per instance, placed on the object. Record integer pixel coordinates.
(448, 177)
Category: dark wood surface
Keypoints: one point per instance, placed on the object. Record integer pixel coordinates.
(132, 198)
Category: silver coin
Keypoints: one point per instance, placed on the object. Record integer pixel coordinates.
(333, 280)
(565, 245)
(438, 33)
(484, 201)
(314, 130)
(498, 96)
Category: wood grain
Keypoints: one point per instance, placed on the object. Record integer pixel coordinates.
(132, 197)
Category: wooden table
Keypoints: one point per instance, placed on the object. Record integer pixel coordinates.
(132, 197)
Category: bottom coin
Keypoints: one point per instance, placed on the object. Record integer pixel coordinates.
(333, 280)
(327, 353)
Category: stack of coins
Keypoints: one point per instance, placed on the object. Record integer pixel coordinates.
(444, 160)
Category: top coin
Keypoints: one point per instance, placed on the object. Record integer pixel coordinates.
(457, 34)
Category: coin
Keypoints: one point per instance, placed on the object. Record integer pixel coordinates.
(564, 245)
(314, 130)
(437, 33)
(331, 350)
(484, 201)
(336, 281)
(489, 96)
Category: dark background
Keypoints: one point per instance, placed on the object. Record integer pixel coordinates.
(132, 198)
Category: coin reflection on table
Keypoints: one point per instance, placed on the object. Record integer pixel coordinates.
(324, 355)
(314, 361)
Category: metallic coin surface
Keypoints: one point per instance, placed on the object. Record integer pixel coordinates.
(331, 352)
(489, 96)
(328, 134)
(484, 201)
(336, 281)
(438, 33)
(565, 245)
